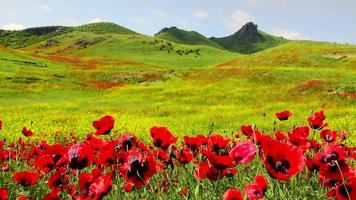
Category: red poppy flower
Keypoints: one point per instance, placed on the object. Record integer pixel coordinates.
(100, 187)
(299, 137)
(281, 136)
(57, 180)
(26, 132)
(22, 197)
(333, 163)
(218, 143)
(232, 194)
(106, 156)
(139, 168)
(328, 136)
(256, 189)
(247, 130)
(0, 124)
(221, 160)
(127, 141)
(185, 156)
(3, 194)
(25, 178)
(243, 152)
(282, 160)
(53, 195)
(195, 142)
(162, 138)
(284, 115)
(316, 120)
(78, 156)
(104, 125)
(205, 170)
(347, 191)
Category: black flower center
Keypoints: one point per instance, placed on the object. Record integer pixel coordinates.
(281, 166)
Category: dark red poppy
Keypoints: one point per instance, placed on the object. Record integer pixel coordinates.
(315, 145)
(205, 170)
(316, 120)
(53, 195)
(333, 164)
(162, 138)
(247, 130)
(100, 187)
(282, 160)
(107, 155)
(344, 191)
(281, 136)
(139, 168)
(284, 115)
(78, 156)
(217, 143)
(3, 194)
(195, 142)
(26, 132)
(185, 155)
(104, 125)
(232, 194)
(328, 136)
(256, 189)
(243, 152)
(299, 137)
(127, 141)
(0, 124)
(25, 178)
(342, 135)
(57, 180)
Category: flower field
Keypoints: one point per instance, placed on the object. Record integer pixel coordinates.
(307, 162)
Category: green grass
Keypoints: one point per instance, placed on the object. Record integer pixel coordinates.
(185, 37)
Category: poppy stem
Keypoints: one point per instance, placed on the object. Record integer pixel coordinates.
(343, 180)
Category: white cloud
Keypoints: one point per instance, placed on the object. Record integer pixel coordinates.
(96, 20)
(289, 34)
(45, 8)
(236, 20)
(13, 27)
(201, 14)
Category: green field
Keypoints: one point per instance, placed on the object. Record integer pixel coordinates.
(145, 81)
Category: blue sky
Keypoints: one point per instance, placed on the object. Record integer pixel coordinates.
(325, 20)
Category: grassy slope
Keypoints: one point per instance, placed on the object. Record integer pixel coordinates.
(185, 37)
(19, 39)
(237, 45)
(186, 93)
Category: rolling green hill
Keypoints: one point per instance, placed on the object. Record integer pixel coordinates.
(185, 37)
(248, 40)
(27, 37)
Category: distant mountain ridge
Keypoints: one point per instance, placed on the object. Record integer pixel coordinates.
(246, 40)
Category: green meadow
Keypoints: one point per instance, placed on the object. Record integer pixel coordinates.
(145, 81)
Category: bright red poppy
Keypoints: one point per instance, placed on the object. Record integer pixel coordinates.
(328, 136)
(53, 195)
(316, 120)
(78, 156)
(3, 194)
(256, 189)
(100, 187)
(299, 137)
(282, 160)
(232, 194)
(247, 130)
(25, 178)
(139, 168)
(185, 156)
(26, 132)
(195, 142)
(284, 115)
(104, 125)
(162, 138)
